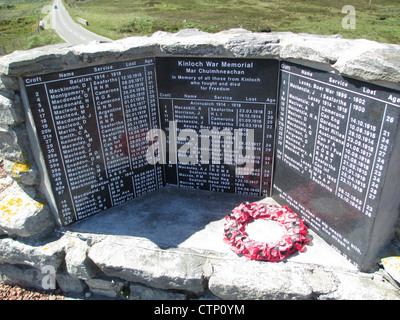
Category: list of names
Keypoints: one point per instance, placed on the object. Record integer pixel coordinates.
(92, 125)
(334, 138)
(220, 116)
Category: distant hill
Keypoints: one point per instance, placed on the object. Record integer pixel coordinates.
(375, 20)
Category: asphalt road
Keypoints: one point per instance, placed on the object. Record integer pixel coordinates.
(68, 29)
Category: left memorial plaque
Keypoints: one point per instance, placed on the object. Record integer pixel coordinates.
(91, 124)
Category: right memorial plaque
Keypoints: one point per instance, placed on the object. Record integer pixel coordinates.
(337, 158)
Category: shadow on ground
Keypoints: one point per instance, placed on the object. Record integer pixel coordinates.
(167, 217)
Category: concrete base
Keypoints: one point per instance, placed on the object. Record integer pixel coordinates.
(184, 218)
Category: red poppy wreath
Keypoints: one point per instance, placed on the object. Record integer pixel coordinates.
(292, 241)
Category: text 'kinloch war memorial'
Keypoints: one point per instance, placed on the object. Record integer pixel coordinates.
(283, 126)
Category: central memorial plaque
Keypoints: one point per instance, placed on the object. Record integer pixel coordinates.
(334, 158)
(220, 114)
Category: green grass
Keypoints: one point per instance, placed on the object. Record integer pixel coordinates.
(19, 25)
(117, 19)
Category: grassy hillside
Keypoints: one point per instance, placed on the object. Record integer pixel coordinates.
(19, 25)
(375, 19)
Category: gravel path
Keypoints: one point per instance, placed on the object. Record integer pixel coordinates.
(8, 292)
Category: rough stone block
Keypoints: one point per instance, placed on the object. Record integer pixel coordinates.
(19, 253)
(22, 215)
(362, 287)
(23, 276)
(70, 285)
(265, 281)
(9, 144)
(369, 61)
(23, 172)
(14, 143)
(141, 292)
(8, 84)
(11, 112)
(149, 265)
(77, 262)
(106, 286)
(258, 281)
(37, 60)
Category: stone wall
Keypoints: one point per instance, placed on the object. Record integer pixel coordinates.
(31, 240)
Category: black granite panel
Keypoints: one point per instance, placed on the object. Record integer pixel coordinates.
(333, 146)
(210, 107)
(92, 125)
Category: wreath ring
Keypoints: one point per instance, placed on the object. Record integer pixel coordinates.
(292, 241)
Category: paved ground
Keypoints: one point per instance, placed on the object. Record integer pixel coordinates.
(185, 218)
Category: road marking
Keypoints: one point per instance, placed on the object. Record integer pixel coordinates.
(68, 29)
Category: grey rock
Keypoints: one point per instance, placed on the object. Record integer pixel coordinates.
(282, 281)
(362, 287)
(23, 276)
(11, 112)
(192, 32)
(22, 172)
(322, 282)
(141, 292)
(35, 61)
(314, 48)
(356, 58)
(70, 285)
(381, 64)
(244, 44)
(19, 253)
(9, 146)
(105, 286)
(5, 182)
(22, 215)
(236, 280)
(8, 84)
(14, 143)
(149, 265)
(77, 262)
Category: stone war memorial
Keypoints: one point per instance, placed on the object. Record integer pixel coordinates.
(124, 162)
